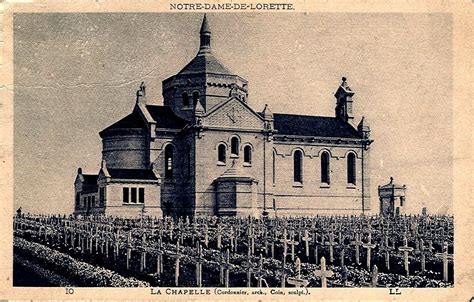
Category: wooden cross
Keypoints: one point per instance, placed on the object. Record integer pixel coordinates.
(405, 249)
(374, 277)
(143, 253)
(297, 281)
(250, 267)
(251, 239)
(177, 257)
(199, 261)
(342, 255)
(219, 236)
(259, 272)
(357, 242)
(369, 246)
(306, 238)
(226, 266)
(445, 257)
(285, 242)
(331, 244)
(206, 235)
(293, 243)
(322, 273)
(232, 236)
(129, 249)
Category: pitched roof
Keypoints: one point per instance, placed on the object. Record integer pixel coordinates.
(132, 174)
(90, 179)
(165, 117)
(205, 63)
(133, 120)
(292, 124)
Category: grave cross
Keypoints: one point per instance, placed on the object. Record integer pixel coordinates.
(251, 239)
(405, 249)
(219, 236)
(249, 266)
(331, 244)
(374, 275)
(306, 238)
(199, 261)
(226, 266)
(293, 243)
(423, 251)
(445, 257)
(297, 281)
(143, 253)
(177, 257)
(369, 246)
(357, 242)
(206, 235)
(322, 273)
(285, 242)
(129, 249)
(259, 271)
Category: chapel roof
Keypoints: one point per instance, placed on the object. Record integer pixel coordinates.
(90, 179)
(144, 174)
(163, 115)
(305, 125)
(205, 63)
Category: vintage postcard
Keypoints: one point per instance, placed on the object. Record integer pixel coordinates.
(249, 150)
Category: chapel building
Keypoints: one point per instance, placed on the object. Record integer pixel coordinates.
(206, 151)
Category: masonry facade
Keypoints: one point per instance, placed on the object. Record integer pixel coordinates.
(206, 151)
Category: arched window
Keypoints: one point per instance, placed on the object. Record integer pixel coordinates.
(247, 154)
(274, 167)
(351, 169)
(221, 156)
(185, 99)
(195, 97)
(169, 150)
(298, 166)
(325, 168)
(234, 146)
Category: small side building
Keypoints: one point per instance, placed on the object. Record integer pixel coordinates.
(392, 199)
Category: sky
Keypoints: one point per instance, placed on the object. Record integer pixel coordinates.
(75, 74)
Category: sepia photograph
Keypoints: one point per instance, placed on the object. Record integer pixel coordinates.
(255, 154)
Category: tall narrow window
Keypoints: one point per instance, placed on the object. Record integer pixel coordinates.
(169, 150)
(234, 146)
(93, 201)
(325, 168)
(247, 154)
(101, 195)
(141, 195)
(221, 156)
(185, 99)
(274, 168)
(195, 97)
(351, 169)
(133, 195)
(78, 199)
(298, 166)
(125, 195)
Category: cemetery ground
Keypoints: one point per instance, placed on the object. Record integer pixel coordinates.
(321, 251)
